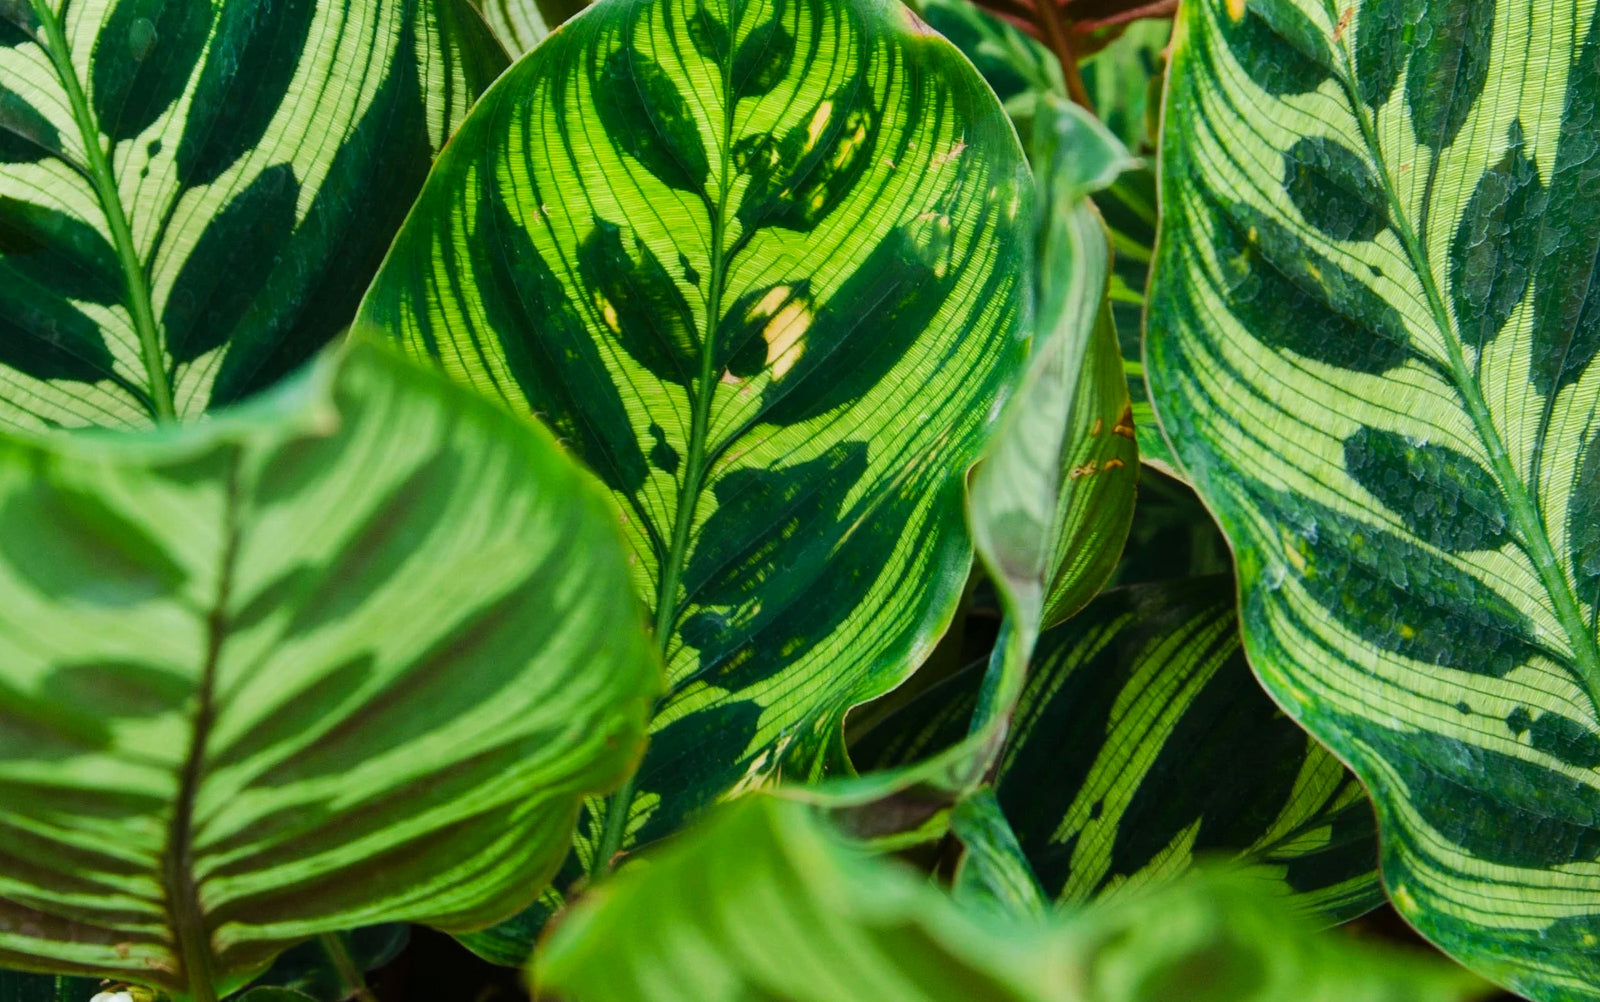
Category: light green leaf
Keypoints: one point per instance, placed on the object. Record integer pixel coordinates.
(522, 24)
(1142, 742)
(193, 194)
(1373, 329)
(762, 903)
(349, 654)
(993, 870)
(762, 266)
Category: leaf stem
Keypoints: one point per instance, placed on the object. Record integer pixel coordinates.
(351, 980)
(1525, 517)
(105, 186)
(1048, 16)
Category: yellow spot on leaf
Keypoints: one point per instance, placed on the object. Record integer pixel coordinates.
(819, 121)
(1236, 9)
(783, 335)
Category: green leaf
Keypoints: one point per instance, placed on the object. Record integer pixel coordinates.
(761, 265)
(324, 968)
(1142, 742)
(761, 902)
(195, 194)
(351, 654)
(993, 869)
(522, 24)
(20, 986)
(1372, 337)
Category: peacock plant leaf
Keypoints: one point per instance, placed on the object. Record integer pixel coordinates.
(351, 653)
(522, 24)
(194, 194)
(1142, 743)
(761, 902)
(1374, 328)
(762, 265)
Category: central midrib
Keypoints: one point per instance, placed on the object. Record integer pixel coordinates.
(105, 187)
(696, 461)
(177, 857)
(1524, 513)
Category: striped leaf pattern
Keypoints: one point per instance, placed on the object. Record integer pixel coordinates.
(522, 24)
(761, 902)
(1141, 742)
(194, 193)
(762, 265)
(351, 654)
(1373, 334)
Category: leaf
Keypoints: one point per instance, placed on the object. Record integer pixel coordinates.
(1143, 742)
(522, 24)
(762, 902)
(1396, 427)
(225, 177)
(774, 312)
(353, 654)
(312, 968)
(20, 986)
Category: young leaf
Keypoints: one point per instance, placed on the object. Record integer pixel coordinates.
(1373, 331)
(761, 902)
(351, 654)
(1142, 742)
(762, 266)
(194, 193)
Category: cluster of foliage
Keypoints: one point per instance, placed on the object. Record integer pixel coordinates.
(649, 490)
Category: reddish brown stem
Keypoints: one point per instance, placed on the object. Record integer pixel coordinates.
(1056, 36)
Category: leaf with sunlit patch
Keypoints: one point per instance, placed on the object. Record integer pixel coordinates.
(762, 265)
(194, 193)
(1373, 335)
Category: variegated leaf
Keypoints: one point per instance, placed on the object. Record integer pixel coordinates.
(522, 24)
(353, 653)
(194, 193)
(762, 265)
(1373, 334)
(1142, 742)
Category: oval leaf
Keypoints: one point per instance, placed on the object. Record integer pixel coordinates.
(1378, 368)
(354, 654)
(775, 311)
(208, 186)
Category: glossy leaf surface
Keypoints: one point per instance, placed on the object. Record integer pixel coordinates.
(762, 266)
(351, 654)
(1142, 742)
(762, 903)
(193, 194)
(1373, 330)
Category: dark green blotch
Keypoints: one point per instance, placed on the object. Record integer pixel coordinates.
(18, 23)
(1442, 495)
(1503, 810)
(73, 546)
(1448, 68)
(548, 347)
(142, 60)
(741, 345)
(1553, 734)
(59, 253)
(689, 274)
(1402, 598)
(692, 762)
(1351, 850)
(763, 58)
(1290, 297)
(708, 35)
(662, 455)
(653, 322)
(246, 75)
(1385, 31)
(118, 689)
(300, 715)
(46, 337)
(1278, 48)
(1583, 525)
(796, 184)
(26, 136)
(647, 118)
(1496, 244)
(867, 325)
(38, 728)
(1566, 324)
(1334, 189)
(230, 264)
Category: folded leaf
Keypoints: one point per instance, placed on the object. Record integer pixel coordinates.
(194, 193)
(762, 266)
(1372, 337)
(351, 654)
(760, 902)
(1142, 743)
